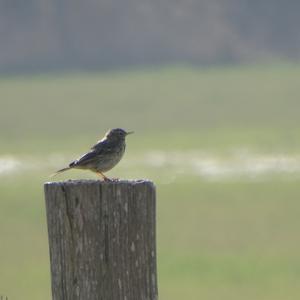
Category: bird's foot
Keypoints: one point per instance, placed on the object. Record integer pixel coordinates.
(114, 179)
(103, 177)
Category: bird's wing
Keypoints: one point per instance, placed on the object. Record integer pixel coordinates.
(102, 147)
(99, 144)
(84, 159)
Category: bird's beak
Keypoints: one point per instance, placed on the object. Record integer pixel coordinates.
(129, 132)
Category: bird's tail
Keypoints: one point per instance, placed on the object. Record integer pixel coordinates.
(60, 171)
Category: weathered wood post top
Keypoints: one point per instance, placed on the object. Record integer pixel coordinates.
(102, 239)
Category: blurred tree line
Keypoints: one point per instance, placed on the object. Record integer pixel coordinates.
(56, 34)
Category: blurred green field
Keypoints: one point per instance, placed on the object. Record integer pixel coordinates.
(218, 237)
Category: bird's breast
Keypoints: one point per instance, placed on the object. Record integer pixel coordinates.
(108, 160)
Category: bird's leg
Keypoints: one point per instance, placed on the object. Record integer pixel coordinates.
(103, 176)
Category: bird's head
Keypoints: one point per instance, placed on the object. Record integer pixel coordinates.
(117, 134)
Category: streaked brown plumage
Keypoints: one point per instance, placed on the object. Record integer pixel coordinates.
(103, 156)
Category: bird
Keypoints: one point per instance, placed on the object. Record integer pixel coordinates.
(103, 156)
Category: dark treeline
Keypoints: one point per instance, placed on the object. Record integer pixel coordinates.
(56, 34)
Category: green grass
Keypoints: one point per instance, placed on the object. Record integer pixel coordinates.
(233, 241)
(255, 99)
(225, 239)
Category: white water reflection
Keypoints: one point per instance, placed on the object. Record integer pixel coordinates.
(238, 164)
(9, 164)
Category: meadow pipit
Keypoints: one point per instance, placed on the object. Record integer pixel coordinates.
(103, 156)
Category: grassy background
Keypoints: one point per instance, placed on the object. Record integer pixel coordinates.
(224, 239)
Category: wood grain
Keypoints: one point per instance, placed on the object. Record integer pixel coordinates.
(102, 239)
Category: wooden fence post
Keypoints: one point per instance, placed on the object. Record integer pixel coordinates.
(102, 239)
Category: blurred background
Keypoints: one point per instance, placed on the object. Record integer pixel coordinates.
(211, 90)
